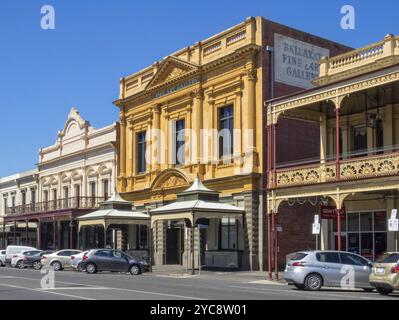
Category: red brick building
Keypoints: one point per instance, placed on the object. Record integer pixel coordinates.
(298, 141)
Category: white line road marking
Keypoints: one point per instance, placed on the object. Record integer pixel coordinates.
(46, 291)
(160, 294)
(328, 294)
(75, 288)
(279, 292)
(111, 288)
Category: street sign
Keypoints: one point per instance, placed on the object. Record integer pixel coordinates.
(394, 213)
(330, 212)
(316, 228)
(393, 225)
(316, 218)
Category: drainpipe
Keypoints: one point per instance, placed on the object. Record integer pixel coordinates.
(270, 50)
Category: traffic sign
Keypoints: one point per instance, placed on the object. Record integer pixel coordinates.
(316, 228)
(393, 225)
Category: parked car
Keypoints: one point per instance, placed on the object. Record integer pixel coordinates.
(76, 261)
(18, 260)
(112, 260)
(58, 260)
(34, 260)
(14, 250)
(312, 270)
(2, 258)
(385, 275)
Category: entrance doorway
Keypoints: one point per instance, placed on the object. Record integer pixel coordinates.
(174, 246)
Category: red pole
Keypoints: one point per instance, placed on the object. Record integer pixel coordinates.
(273, 242)
(274, 155)
(276, 247)
(269, 246)
(269, 150)
(338, 147)
(339, 228)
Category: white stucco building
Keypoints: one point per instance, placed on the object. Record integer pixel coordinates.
(18, 192)
(73, 176)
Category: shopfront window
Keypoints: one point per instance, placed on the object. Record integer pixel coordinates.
(364, 233)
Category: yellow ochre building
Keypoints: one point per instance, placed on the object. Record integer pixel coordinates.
(205, 196)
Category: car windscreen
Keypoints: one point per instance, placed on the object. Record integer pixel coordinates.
(389, 258)
(298, 256)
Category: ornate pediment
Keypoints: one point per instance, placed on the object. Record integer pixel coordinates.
(170, 70)
(173, 182)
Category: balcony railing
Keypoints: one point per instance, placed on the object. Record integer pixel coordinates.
(57, 205)
(387, 48)
(370, 166)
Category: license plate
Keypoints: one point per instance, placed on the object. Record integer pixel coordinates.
(380, 270)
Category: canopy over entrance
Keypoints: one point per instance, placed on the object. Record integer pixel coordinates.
(197, 202)
(114, 211)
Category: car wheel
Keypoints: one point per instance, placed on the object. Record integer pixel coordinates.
(384, 291)
(91, 268)
(313, 282)
(368, 289)
(56, 266)
(20, 264)
(299, 286)
(37, 265)
(134, 270)
(80, 267)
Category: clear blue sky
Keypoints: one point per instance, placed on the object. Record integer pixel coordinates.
(44, 73)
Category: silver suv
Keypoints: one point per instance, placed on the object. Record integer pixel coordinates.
(311, 270)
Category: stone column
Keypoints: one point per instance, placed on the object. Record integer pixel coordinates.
(197, 125)
(130, 150)
(148, 145)
(156, 111)
(249, 83)
(122, 151)
(238, 126)
(251, 246)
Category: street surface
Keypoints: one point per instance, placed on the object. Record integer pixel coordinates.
(25, 284)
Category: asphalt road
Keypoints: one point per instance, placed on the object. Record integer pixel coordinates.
(25, 284)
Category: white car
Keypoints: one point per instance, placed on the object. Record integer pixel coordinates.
(2, 258)
(14, 250)
(17, 261)
(76, 261)
(58, 260)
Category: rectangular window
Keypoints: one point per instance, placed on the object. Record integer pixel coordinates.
(359, 140)
(105, 189)
(5, 204)
(226, 127)
(23, 195)
(180, 142)
(93, 189)
(228, 234)
(77, 190)
(33, 196)
(76, 201)
(66, 197)
(141, 237)
(141, 146)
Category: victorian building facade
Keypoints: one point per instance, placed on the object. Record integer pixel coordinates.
(18, 192)
(73, 176)
(173, 117)
(353, 182)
